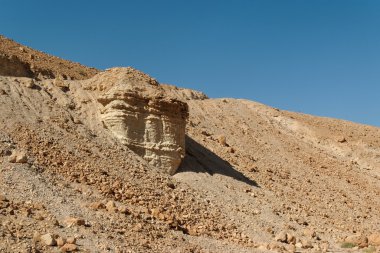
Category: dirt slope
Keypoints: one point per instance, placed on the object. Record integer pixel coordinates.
(22, 61)
(251, 174)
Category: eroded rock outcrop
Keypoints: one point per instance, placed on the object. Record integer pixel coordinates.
(136, 109)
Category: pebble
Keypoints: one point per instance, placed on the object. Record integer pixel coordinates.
(111, 206)
(71, 221)
(68, 247)
(48, 240)
(97, 205)
(18, 157)
(374, 239)
(359, 240)
(281, 237)
(60, 241)
(71, 240)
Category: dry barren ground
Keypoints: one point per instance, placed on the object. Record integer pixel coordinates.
(254, 178)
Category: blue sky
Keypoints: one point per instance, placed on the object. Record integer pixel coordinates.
(320, 57)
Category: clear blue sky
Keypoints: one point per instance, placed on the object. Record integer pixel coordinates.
(319, 57)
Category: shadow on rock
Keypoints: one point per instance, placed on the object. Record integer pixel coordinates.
(199, 159)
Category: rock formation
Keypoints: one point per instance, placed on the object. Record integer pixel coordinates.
(137, 111)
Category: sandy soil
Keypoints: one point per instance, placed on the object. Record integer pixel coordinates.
(254, 178)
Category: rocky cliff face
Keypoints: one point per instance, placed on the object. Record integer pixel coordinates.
(137, 111)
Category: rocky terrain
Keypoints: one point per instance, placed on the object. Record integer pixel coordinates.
(114, 161)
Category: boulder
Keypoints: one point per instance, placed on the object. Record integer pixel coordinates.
(139, 113)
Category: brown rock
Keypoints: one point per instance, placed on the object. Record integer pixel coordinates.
(30, 84)
(69, 247)
(359, 240)
(306, 244)
(124, 209)
(48, 239)
(290, 239)
(18, 157)
(290, 248)
(130, 103)
(36, 237)
(71, 240)
(309, 233)
(374, 239)
(281, 237)
(97, 205)
(60, 241)
(324, 246)
(222, 140)
(111, 206)
(71, 221)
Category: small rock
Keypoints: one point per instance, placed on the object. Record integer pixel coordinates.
(171, 185)
(281, 237)
(60, 241)
(77, 121)
(124, 209)
(290, 239)
(111, 206)
(342, 139)
(306, 244)
(71, 240)
(155, 212)
(222, 140)
(309, 233)
(374, 239)
(68, 247)
(48, 240)
(324, 247)
(97, 205)
(18, 157)
(359, 240)
(36, 237)
(290, 248)
(70, 221)
(30, 84)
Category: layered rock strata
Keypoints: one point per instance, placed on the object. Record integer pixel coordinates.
(137, 111)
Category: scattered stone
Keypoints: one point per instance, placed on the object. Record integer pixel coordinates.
(68, 247)
(71, 240)
(111, 206)
(48, 240)
(281, 237)
(324, 247)
(171, 185)
(60, 241)
(309, 233)
(290, 248)
(124, 209)
(70, 221)
(306, 244)
(30, 84)
(290, 239)
(205, 133)
(18, 157)
(97, 205)
(359, 240)
(342, 139)
(155, 212)
(374, 239)
(36, 237)
(222, 140)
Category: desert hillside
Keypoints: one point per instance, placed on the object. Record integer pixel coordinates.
(114, 161)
